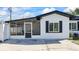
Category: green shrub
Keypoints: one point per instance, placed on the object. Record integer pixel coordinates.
(70, 35)
(73, 36)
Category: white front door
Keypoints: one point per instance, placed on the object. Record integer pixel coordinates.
(28, 30)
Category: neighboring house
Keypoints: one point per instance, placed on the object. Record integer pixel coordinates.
(52, 25)
(74, 24)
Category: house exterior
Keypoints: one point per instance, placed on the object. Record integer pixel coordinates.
(52, 25)
(74, 25)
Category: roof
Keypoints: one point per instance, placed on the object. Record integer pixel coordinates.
(57, 12)
(74, 18)
(39, 16)
(22, 19)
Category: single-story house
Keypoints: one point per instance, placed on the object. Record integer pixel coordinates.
(52, 25)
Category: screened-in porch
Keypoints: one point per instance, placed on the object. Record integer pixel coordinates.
(25, 28)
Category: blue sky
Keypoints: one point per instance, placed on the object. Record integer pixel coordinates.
(25, 12)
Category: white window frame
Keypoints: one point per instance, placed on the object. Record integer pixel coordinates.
(76, 26)
(53, 27)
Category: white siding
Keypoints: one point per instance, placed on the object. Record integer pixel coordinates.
(1, 32)
(6, 31)
(55, 18)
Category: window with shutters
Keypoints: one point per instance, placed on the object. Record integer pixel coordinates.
(53, 27)
(73, 26)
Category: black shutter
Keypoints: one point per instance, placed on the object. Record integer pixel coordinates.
(47, 26)
(78, 25)
(60, 27)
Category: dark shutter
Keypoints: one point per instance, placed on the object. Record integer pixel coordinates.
(60, 27)
(47, 26)
(78, 25)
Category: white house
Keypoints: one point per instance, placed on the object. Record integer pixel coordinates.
(74, 24)
(52, 25)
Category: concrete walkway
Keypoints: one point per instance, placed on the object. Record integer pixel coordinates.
(38, 45)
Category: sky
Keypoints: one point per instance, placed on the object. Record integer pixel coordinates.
(26, 12)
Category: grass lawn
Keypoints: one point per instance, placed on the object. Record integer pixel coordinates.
(74, 38)
(75, 41)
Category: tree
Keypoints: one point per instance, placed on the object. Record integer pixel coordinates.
(75, 12)
(72, 12)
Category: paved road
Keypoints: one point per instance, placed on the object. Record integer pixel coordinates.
(38, 45)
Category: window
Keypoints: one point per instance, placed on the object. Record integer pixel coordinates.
(53, 27)
(73, 26)
(17, 28)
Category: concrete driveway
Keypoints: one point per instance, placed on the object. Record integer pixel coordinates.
(38, 45)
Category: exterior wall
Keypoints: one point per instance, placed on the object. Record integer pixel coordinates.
(17, 37)
(1, 32)
(6, 31)
(43, 34)
(55, 18)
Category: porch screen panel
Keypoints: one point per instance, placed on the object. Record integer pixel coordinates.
(36, 28)
(20, 29)
(17, 28)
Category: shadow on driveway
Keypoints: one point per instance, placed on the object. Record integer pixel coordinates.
(31, 41)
